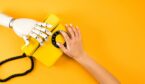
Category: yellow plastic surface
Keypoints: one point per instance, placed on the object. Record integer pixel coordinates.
(113, 34)
(48, 53)
(31, 48)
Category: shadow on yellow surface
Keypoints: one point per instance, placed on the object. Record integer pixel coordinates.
(113, 33)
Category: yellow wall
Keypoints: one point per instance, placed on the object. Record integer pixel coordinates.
(113, 33)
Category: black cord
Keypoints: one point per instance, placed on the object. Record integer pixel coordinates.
(18, 74)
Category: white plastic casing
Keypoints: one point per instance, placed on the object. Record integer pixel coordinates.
(5, 20)
(23, 26)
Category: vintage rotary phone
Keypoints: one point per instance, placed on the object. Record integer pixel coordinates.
(49, 52)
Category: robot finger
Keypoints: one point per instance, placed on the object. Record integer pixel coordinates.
(39, 23)
(43, 29)
(44, 25)
(43, 35)
(48, 25)
(35, 36)
(48, 32)
(40, 28)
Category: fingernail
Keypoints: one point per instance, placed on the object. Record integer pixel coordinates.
(70, 24)
(61, 31)
(66, 24)
(58, 43)
(77, 26)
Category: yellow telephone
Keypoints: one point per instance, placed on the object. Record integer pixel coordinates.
(49, 52)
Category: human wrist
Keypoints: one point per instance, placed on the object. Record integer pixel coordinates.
(80, 57)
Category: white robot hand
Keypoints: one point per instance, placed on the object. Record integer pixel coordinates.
(25, 27)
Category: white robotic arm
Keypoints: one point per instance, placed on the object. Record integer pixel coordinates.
(25, 27)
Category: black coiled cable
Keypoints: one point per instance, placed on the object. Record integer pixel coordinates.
(18, 74)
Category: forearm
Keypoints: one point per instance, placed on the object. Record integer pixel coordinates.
(100, 74)
(75, 50)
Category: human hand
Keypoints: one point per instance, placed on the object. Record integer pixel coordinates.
(74, 48)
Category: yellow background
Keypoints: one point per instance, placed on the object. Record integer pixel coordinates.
(113, 34)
